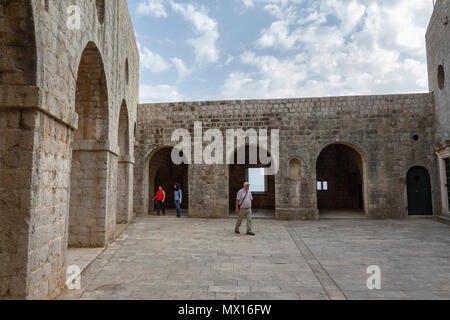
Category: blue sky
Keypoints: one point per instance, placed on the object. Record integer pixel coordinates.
(259, 49)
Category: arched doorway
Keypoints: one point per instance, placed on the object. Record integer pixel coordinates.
(340, 182)
(88, 189)
(419, 192)
(124, 170)
(163, 172)
(262, 186)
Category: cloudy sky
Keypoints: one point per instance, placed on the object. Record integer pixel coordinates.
(246, 49)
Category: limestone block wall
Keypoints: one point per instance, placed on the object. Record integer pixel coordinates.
(16, 198)
(208, 188)
(438, 56)
(380, 128)
(18, 54)
(38, 94)
(88, 199)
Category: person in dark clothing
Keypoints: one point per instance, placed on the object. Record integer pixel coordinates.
(178, 198)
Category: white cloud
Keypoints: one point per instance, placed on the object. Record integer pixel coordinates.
(336, 48)
(248, 3)
(158, 93)
(183, 71)
(152, 61)
(205, 44)
(154, 8)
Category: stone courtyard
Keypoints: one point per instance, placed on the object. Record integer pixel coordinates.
(203, 259)
(81, 159)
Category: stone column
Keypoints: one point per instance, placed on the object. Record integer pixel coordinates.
(124, 213)
(208, 189)
(92, 198)
(34, 193)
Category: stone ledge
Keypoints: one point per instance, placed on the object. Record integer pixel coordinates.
(126, 159)
(29, 97)
(95, 145)
(425, 95)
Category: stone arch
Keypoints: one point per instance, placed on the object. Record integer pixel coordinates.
(264, 201)
(91, 99)
(158, 168)
(341, 180)
(90, 156)
(124, 129)
(18, 66)
(123, 208)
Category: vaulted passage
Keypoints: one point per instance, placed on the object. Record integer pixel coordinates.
(88, 196)
(262, 186)
(340, 181)
(123, 209)
(163, 172)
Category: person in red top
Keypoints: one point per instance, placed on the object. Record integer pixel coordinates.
(160, 198)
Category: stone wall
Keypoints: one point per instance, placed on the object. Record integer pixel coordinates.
(17, 45)
(38, 85)
(380, 128)
(438, 55)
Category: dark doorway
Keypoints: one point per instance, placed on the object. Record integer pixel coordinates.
(419, 192)
(340, 182)
(163, 172)
(263, 188)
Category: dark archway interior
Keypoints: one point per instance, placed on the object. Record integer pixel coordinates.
(163, 172)
(238, 175)
(340, 167)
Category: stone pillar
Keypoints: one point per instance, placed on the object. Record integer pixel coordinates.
(124, 213)
(208, 188)
(92, 198)
(295, 190)
(34, 193)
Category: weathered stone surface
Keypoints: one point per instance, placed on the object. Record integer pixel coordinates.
(380, 128)
(40, 85)
(204, 259)
(68, 126)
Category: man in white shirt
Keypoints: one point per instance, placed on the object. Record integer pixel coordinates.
(244, 208)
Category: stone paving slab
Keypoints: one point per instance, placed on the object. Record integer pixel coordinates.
(168, 258)
(413, 255)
